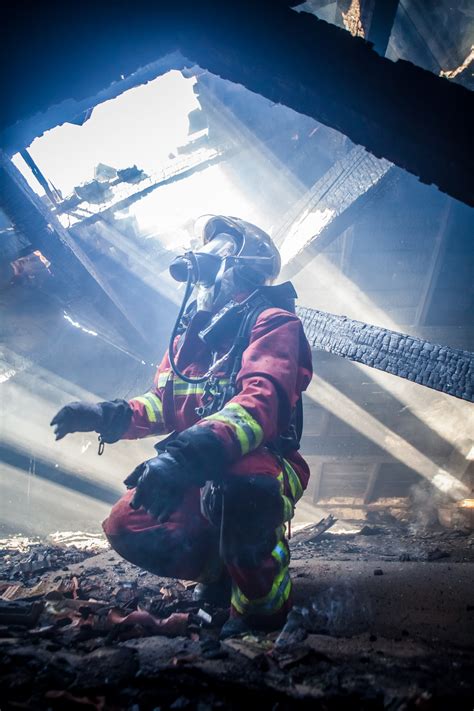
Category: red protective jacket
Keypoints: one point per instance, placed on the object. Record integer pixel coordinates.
(276, 368)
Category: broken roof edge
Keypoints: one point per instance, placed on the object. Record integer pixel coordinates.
(20, 135)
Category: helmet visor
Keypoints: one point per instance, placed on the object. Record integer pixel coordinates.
(221, 245)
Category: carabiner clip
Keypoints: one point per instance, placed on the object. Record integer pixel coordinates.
(100, 451)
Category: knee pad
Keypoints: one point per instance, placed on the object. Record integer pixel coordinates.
(254, 502)
(253, 511)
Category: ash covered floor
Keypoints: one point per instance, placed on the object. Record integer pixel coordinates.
(386, 621)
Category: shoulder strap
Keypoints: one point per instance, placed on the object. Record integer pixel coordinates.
(281, 296)
(243, 337)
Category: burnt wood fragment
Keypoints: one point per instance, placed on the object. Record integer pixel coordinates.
(449, 370)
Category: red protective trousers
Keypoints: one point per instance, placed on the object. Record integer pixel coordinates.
(276, 368)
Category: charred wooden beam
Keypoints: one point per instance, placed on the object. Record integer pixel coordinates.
(50, 191)
(449, 370)
(123, 204)
(71, 267)
(330, 207)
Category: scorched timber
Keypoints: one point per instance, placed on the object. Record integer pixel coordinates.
(449, 370)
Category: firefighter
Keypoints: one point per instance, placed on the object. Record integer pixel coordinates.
(213, 504)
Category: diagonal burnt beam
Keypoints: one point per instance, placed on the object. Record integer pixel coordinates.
(401, 112)
(72, 269)
(449, 370)
(328, 208)
(220, 155)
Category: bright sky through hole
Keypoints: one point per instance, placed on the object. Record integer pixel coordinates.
(142, 126)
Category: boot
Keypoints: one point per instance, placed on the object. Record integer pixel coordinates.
(234, 627)
(216, 593)
(251, 624)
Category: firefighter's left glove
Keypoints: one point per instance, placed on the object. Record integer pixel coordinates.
(160, 484)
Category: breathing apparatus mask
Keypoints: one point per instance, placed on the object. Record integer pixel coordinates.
(206, 269)
(235, 256)
(205, 264)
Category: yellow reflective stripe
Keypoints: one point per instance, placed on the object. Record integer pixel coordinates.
(149, 409)
(269, 604)
(182, 388)
(279, 591)
(163, 378)
(156, 403)
(281, 480)
(239, 432)
(294, 481)
(246, 428)
(153, 406)
(249, 421)
(281, 554)
(185, 390)
(296, 490)
(283, 593)
(288, 509)
(238, 600)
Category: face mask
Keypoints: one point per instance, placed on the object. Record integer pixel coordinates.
(206, 264)
(204, 297)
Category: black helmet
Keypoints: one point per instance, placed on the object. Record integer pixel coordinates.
(255, 255)
(229, 242)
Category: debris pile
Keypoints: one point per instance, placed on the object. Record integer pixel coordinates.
(24, 559)
(91, 631)
(384, 538)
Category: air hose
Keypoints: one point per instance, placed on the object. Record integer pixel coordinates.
(217, 363)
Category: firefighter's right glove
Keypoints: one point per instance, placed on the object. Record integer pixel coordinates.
(160, 484)
(76, 417)
(109, 419)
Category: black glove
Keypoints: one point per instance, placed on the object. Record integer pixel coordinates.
(109, 419)
(191, 458)
(160, 485)
(76, 417)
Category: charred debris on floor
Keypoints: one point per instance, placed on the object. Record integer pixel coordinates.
(82, 628)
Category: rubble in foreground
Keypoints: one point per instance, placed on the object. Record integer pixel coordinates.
(84, 629)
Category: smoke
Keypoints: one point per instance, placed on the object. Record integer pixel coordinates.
(335, 610)
(425, 501)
